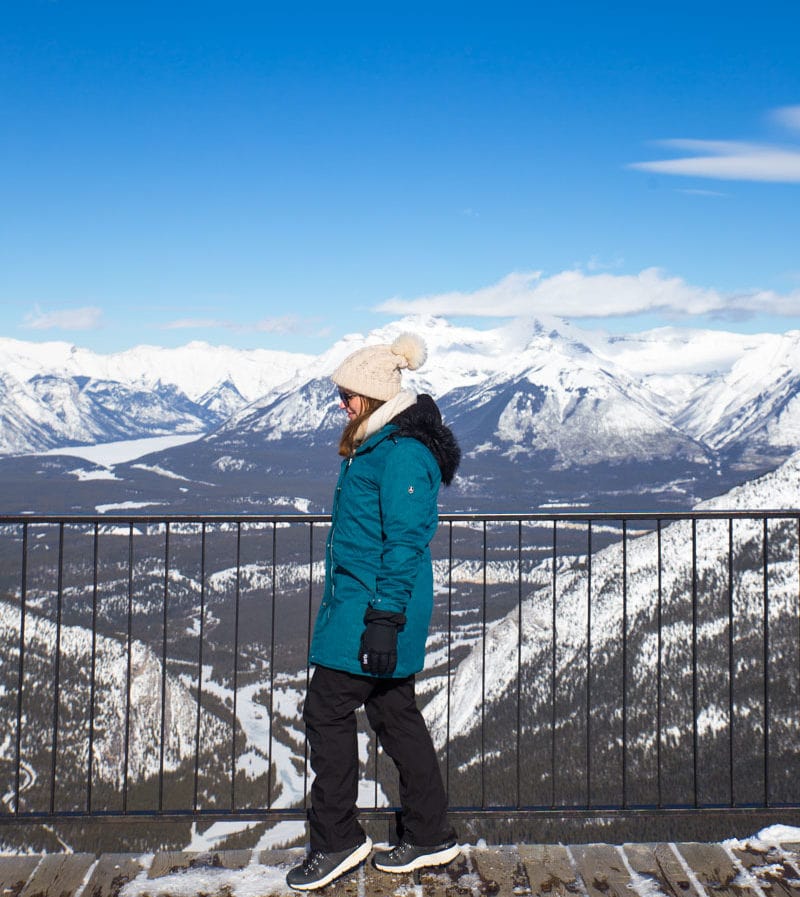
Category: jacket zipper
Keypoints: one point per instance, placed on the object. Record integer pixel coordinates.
(333, 520)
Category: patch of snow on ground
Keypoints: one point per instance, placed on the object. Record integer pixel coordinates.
(254, 880)
(161, 471)
(125, 506)
(643, 885)
(84, 475)
(772, 836)
(299, 504)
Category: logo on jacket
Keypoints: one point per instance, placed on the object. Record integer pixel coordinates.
(410, 490)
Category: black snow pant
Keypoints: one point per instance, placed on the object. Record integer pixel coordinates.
(329, 713)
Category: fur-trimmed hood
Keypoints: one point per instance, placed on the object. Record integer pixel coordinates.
(423, 421)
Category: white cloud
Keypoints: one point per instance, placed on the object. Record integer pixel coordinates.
(285, 324)
(696, 192)
(735, 160)
(729, 161)
(191, 323)
(574, 294)
(86, 318)
(788, 116)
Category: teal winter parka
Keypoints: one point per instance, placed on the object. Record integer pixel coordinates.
(383, 518)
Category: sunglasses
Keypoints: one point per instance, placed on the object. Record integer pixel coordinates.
(346, 397)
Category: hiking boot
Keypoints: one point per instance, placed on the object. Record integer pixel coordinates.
(408, 857)
(319, 869)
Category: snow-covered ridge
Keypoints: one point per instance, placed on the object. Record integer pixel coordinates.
(194, 368)
(537, 385)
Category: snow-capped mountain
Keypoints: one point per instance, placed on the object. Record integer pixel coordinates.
(194, 369)
(668, 416)
(754, 404)
(55, 394)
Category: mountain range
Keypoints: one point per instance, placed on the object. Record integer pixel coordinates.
(547, 414)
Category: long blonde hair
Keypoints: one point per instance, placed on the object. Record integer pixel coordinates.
(350, 441)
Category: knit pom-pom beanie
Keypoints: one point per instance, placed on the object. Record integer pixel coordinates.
(375, 370)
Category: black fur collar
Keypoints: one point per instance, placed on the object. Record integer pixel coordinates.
(423, 421)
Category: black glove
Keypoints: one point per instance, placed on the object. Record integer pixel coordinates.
(378, 649)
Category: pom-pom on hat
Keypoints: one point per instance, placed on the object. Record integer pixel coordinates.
(374, 371)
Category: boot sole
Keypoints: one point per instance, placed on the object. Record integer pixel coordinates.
(440, 858)
(349, 862)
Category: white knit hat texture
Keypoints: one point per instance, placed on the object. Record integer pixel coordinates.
(374, 371)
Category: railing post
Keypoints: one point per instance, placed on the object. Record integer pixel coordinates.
(624, 663)
(23, 597)
(695, 733)
(273, 595)
(483, 674)
(200, 665)
(164, 620)
(237, 596)
(57, 671)
(766, 667)
(128, 674)
(553, 673)
(659, 664)
(518, 770)
(731, 669)
(93, 670)
(589, 664)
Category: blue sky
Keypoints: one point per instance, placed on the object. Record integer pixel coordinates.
(224, 172)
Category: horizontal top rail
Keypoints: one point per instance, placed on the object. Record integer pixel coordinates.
(458, 517)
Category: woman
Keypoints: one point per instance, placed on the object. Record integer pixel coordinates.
(369, 637)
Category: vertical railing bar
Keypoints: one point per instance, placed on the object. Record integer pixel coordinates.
(237, 599)
(93, 669)
(766, 665)
(308, 642)
(659, 661)
(589, 665)
(57, 670)
(519, 664)
(483, 673)
(624, 663)
(23, 596)
(200, 665)
(272, 662)
(449, 652)
(695, 733)
(553, 675)
(163, 669)
(731, 669)
(128, 674)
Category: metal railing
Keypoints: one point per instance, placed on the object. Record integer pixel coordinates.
(579, 664)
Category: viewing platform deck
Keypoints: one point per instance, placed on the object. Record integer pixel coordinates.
(689, 869)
